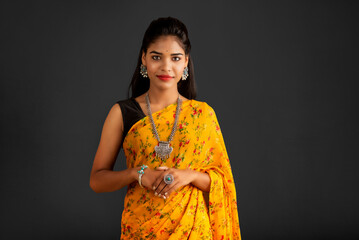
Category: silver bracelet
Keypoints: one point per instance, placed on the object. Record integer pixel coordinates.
(141, 172)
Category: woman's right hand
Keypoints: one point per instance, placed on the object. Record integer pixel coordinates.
(150, 176)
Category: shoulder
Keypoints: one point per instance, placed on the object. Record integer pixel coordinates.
(204, 106)
(123, 101)
(115, 115)
(116, 107)
(126, 105)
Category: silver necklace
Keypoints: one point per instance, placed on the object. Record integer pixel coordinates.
(163, 150)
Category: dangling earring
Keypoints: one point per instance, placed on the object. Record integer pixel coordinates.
(185, 73)
(143, 71)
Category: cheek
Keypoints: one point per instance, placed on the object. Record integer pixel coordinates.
(152, 68)
(179, 69)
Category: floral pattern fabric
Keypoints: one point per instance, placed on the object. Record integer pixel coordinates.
(197, 144)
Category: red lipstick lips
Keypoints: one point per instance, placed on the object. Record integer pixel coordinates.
(164, 77)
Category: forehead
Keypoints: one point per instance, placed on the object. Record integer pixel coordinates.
(166, 44)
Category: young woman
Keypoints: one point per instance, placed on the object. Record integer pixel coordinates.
(174, 148)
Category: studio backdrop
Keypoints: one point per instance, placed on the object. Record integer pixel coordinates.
(282, 77)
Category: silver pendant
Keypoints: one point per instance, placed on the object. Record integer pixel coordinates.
(164, 150)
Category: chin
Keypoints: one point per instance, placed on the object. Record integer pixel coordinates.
(165, 85)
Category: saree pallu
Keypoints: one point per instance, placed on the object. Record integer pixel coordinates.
(197, 144)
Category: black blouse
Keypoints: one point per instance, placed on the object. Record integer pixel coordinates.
(131, 113)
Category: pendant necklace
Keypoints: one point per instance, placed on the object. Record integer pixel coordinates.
(163, 150)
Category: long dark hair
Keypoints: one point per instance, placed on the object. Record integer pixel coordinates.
(164, 27)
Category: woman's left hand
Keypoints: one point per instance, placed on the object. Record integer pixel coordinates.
(181, 177)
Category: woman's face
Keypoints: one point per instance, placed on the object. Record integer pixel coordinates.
(165, 57)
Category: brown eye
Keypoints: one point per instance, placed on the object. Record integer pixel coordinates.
(177, 58)
(155, 57)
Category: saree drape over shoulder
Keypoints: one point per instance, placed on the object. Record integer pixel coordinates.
(197, 144)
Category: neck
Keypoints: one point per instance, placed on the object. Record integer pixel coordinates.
(162, 97)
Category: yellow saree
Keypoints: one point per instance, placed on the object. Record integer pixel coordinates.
(197, 144)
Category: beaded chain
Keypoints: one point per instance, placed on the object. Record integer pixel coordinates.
(163, 149)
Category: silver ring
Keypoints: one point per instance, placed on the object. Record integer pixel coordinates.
(168, 178)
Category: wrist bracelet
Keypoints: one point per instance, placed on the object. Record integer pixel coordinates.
(141, 172)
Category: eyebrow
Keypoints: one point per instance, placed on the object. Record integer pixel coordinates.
(161, 53)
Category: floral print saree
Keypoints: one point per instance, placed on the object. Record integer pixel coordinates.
(197, 144)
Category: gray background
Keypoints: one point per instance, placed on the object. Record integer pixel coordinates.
(282, 77)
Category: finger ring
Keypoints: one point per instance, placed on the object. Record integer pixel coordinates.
(168, 178)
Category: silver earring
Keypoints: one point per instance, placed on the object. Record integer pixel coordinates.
(143, 71)
(185, 73)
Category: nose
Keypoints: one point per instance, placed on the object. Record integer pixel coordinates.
(166, 65)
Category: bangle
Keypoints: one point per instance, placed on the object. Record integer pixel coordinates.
(141, 172)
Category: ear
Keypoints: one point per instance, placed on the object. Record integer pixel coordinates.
(143, 58)
(186, 60)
